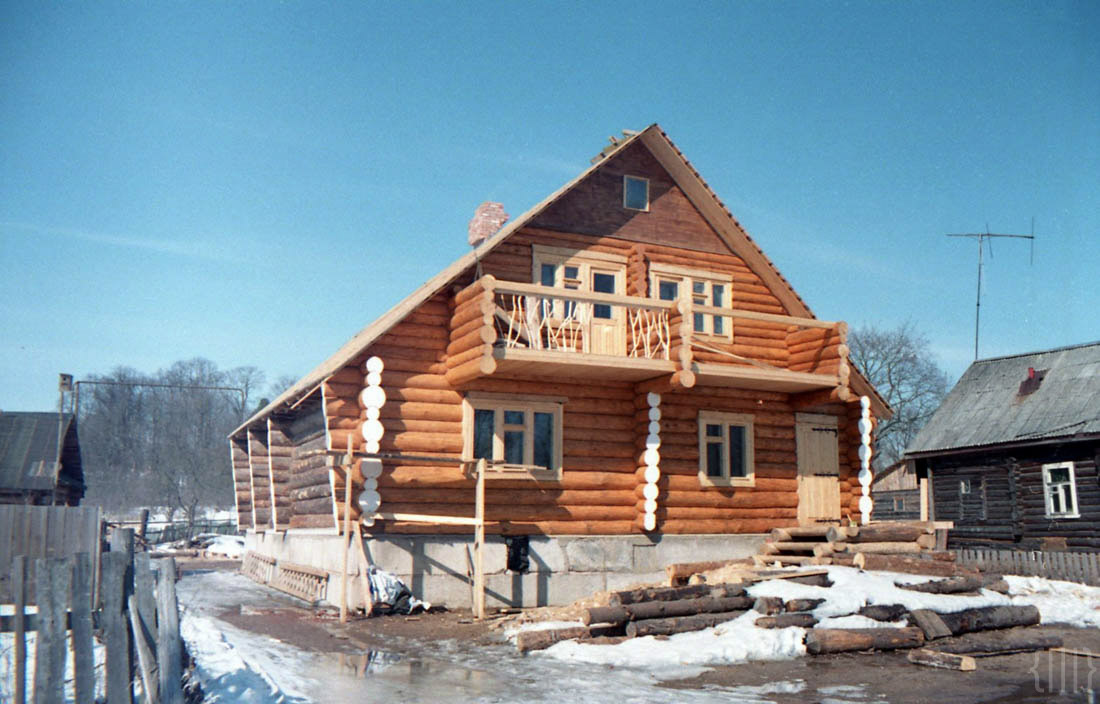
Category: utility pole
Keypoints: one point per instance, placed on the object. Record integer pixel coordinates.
(983, 238)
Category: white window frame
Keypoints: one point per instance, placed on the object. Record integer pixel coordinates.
(1068, 487)
(685, 277)
(726, 420)
(899, 503)
(529, 405)
(642, 179)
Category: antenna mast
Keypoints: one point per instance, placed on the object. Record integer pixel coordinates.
(983, 238)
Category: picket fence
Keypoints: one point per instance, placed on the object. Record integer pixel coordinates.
(1083, 567)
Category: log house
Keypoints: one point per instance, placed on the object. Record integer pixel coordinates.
(623, 349)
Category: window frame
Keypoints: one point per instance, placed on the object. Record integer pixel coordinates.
(643, 180)
(726, 419)
(529, 405)
(1048, 486)
(682, 276)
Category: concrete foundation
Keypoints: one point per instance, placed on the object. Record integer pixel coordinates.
(562, 569)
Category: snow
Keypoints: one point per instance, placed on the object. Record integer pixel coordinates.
(231, 546)
(1058, 602)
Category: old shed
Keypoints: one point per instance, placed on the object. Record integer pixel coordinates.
(40, 459)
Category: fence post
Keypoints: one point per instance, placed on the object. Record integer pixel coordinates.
(116, 631)
(18, 587)
(52, 582)
(83, 665)
(169, 649)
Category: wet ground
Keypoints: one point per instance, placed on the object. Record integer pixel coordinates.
(262, 646)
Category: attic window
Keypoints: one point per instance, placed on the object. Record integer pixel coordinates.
(1032, 382)
(635, 193)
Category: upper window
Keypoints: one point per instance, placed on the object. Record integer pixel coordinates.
(635, 193)
(706, 288)
(515, 431)
(725, 449)
(1060, 490)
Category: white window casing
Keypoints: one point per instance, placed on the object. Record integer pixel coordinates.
(1060, 490)
(719, 433)
(518, 427)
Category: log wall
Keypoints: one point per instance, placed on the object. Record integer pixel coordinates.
(309, 487)
(242, 480)
(260, 471)
(280, 453)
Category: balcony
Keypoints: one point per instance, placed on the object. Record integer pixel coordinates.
(513, 330)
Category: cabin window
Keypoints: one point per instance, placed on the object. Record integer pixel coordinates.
(964, 487)
(521, 432)
(1060, 490)
(899, 503)
(598, 328)
(725, 449)
(705, 288)
(635, 193)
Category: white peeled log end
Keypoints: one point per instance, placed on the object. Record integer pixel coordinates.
(374, 379)
(652, 458)
(653, 399)
(370, 484)
(865, 477)
(371, 446)
(652, 441)
(864, 453)
(865, 425)
(864, 403)
(373, 414)
(650, 491)
(865, 507)
(372, 397)
(655, 414)
(368, 521)
(650, 521)
(371, 468)
(374, 365)
(373, 430)
(652, 475)
(369, 501)
(650, 506)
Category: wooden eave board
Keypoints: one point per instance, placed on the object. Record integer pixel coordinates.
(762, 379)
(575, 365)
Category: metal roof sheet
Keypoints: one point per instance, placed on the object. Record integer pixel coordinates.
(29, 450)
(987, 407)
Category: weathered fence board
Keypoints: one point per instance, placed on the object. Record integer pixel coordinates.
(1081, 567)
(44, 531)
(82, 645)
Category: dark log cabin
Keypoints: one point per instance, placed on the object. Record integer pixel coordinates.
(34, 467)
(623, 347)
(1012, 452)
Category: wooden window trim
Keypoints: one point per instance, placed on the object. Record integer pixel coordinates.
(529, 404)
(657, 271)
(1072, 483)
(643, 180)
(727, 419)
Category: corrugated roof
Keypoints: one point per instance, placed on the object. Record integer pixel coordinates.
(28, 450)
(987, 407)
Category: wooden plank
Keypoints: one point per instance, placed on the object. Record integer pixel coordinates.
(7, 536)
(19, 585)
(479, 541)
(82, 643)
(144, 599)
(146, 661)
(948, 661)
(930, 623)
(169, 646)
(52, 584)
(116, 633)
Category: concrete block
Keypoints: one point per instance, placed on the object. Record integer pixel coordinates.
(644, 558)
(584, 555)
(392, 554)
(699, 548)
(546, 554)
(621, 581)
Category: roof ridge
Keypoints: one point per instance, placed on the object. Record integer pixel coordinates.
(1035, 352)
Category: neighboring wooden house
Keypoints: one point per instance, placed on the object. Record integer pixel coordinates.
(34, 467)
(624, 347)
(896, 493)
(1012, 453)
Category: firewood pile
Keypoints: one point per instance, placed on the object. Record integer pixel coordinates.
(874, 546)
(944, 637)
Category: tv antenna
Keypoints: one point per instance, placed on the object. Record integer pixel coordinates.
(986, 238)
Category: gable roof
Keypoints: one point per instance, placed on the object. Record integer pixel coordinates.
(29, 458)
(987, 407)
(686, 177)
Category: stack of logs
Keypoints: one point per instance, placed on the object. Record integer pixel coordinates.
(879, 546)
(939, 639)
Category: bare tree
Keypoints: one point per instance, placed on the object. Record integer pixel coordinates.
(900, 365)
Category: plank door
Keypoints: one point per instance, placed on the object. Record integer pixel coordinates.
(607, 325)
(818, 468)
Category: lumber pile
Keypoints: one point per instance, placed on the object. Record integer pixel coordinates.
(902, 546)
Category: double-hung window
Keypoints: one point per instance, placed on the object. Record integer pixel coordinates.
(725, 449)
(516, 431)
(1060, 490)
(601, 324)
(669, 283)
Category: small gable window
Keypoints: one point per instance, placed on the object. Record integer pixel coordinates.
(635, 193)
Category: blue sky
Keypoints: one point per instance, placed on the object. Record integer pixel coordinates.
(255, 182)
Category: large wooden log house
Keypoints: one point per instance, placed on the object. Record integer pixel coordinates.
(624, 349)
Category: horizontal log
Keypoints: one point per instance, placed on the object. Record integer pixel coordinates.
(392, 380)
(664, 609)
(479, 286)
(802, 604)
(838, 640)
(678, 571)
(312, 521)
(951, 585)
(527, 496)
(948, 661)
(884, 612)
(634, 596)
(526, 641)
(669, 626)
(887, 532)
(410, 410)
(768, 605)
(880, 548)
(990, 618)
(800, 620)
(517, 513)
(471, 370)
(484, 335)
(1001, 642)
(319, 505)
(311, 492)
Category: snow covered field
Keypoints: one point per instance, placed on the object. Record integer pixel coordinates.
(239, 666)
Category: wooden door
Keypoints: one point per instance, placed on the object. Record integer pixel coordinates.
(818, 468)
(606, 325)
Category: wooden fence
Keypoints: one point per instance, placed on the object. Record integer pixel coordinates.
(44, 532)
(1081, 567)
(134, 611)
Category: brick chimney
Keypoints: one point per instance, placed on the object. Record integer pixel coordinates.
(487, 221)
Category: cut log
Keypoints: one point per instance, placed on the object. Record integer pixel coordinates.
(695, 591)
(886, 533)
(882, 548)
(947, 661)
(682, 570)
(800, 619)
(884, 612)
(930, 624)
(668, 626)
(539, 640)
(768, 605)
(989, 618)
(951, 585)
(802, 604)
(999, 643)
(795, 546)
(839, 640)
(666, 609)
(808, 531)
(910, 565)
